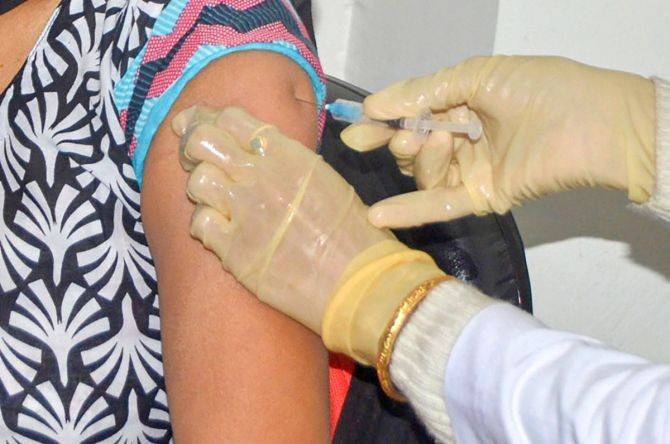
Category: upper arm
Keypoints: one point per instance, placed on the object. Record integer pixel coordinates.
(235, 369)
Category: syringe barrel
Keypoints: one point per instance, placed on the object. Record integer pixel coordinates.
(346, 110)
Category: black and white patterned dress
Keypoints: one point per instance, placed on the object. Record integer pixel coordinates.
(80, 352)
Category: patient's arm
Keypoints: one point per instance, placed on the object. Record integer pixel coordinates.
(236, 370)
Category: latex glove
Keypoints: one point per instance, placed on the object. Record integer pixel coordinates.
(550, 124)
(292, 231)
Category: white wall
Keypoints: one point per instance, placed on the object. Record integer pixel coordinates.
(332, 25)
(595, 267)
(372, 43)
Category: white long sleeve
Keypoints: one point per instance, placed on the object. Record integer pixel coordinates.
(510, 379)
(507, 378)
(659, 202)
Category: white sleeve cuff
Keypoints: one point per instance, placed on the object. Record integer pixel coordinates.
(659, 202)
(421, 351)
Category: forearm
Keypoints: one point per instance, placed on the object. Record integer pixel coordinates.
(232, 364)
(493, 373)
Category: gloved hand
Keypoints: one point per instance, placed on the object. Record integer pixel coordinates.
(292, 231)
(550, 124)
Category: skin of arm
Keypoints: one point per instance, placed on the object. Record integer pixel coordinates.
(235, 369)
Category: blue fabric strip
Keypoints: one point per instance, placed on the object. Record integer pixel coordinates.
(145, 115)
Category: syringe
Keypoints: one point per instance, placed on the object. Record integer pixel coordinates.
(352, 112)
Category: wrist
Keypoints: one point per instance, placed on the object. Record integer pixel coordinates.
(393, 329)
(374, 285)
(423, 348)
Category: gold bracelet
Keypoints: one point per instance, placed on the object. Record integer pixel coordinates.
(392, 330)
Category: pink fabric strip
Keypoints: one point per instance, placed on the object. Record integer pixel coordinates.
(159, 46)
(225, 36)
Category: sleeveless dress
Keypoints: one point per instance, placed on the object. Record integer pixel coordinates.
(80, 352)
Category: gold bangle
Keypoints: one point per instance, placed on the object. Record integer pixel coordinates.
(392, 330)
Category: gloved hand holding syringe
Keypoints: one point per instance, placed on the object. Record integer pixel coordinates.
(352, 112)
